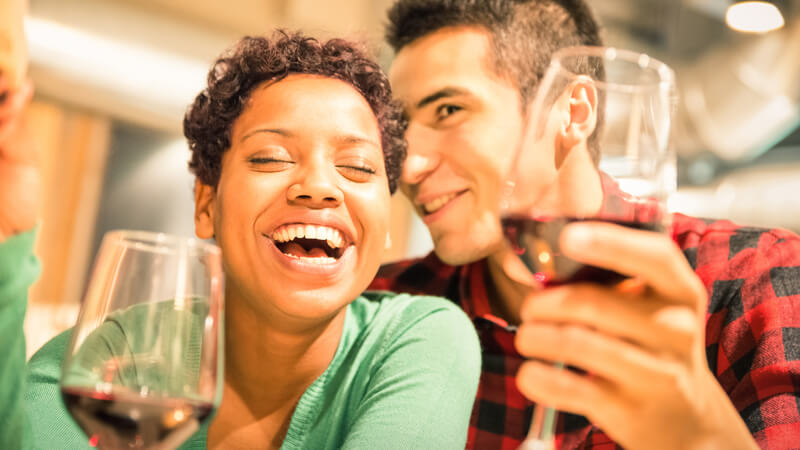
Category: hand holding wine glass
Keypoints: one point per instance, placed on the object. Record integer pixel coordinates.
(597, 150)
(144, 365)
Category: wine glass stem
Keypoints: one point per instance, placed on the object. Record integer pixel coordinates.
(542, 432)
(541, 435)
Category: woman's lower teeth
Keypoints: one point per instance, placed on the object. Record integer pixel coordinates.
(314, 260)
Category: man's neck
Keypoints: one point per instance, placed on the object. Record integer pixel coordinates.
(578, 192)
(506, 293)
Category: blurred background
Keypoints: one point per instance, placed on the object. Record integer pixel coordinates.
(113, 78)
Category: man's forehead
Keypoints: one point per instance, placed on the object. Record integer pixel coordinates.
(453, 56)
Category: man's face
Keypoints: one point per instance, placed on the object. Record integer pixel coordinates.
(466, 123)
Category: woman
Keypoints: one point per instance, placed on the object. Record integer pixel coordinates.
(296, 147)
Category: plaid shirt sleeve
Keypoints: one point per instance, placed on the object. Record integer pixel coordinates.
(753, 321)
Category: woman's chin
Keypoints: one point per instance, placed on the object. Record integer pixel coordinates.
(315, 306)
(308, 289)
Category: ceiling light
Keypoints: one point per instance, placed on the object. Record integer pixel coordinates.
(754, 17)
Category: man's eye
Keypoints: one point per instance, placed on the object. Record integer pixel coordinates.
(445, 110)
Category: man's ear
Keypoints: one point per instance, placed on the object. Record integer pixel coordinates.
(205, 205)
(581, 118)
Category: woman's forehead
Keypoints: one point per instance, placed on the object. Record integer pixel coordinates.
(310, 103)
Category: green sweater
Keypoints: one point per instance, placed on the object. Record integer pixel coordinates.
(404, 375)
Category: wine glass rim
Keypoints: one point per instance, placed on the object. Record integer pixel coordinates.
(666, 76)
(158, 242)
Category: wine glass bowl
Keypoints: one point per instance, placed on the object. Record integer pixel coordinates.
(597, 148)
(623, 159)
(144, 363)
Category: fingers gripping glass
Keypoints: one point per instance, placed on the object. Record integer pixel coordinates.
(144, 365)
(597, 149)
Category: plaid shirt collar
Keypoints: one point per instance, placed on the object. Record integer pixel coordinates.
(473, 293)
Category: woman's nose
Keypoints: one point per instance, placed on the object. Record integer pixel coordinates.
(316, 189)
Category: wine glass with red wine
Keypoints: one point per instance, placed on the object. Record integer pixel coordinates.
(597, 149)
(144, 365)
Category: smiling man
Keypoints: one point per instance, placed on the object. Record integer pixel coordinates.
(705, 356)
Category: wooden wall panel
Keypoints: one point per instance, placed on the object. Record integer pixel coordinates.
(73, 149)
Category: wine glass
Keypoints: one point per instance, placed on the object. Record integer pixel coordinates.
(597, 149)
(145, 362)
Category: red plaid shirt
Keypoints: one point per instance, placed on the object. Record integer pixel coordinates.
(752, 333)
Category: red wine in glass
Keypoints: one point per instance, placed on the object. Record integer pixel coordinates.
(536, 244)
(143, 366)
(128, 420)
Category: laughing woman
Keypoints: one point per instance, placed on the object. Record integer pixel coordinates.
(297, 147)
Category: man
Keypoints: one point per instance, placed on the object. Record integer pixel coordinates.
(699, 351)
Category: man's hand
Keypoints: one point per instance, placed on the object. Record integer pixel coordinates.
(642, 345)
(19, 172)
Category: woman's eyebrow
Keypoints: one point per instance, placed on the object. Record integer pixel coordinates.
(279, 131)
(341, 140)
(353, 139)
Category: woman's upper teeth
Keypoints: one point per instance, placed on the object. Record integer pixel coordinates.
(437, 203)
(288, 233)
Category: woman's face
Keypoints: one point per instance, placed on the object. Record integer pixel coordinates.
(301, 210)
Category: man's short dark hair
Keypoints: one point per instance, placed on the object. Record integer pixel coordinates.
(524, 34)
(254, 60)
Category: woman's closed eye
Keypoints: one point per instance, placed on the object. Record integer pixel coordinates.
(356, 172)
(269, 164)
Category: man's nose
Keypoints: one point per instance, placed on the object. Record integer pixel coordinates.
(316, 187)
(423, 156)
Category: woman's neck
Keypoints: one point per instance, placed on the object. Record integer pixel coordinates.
(270, 360)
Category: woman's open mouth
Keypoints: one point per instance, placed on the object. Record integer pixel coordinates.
(315, 244)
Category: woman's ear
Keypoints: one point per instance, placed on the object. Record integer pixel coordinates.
(204, 209)
(581, 117)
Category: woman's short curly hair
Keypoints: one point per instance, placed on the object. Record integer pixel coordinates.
(253, 60)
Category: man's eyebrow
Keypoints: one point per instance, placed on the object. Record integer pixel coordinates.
(278, 131)
(441, 93)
